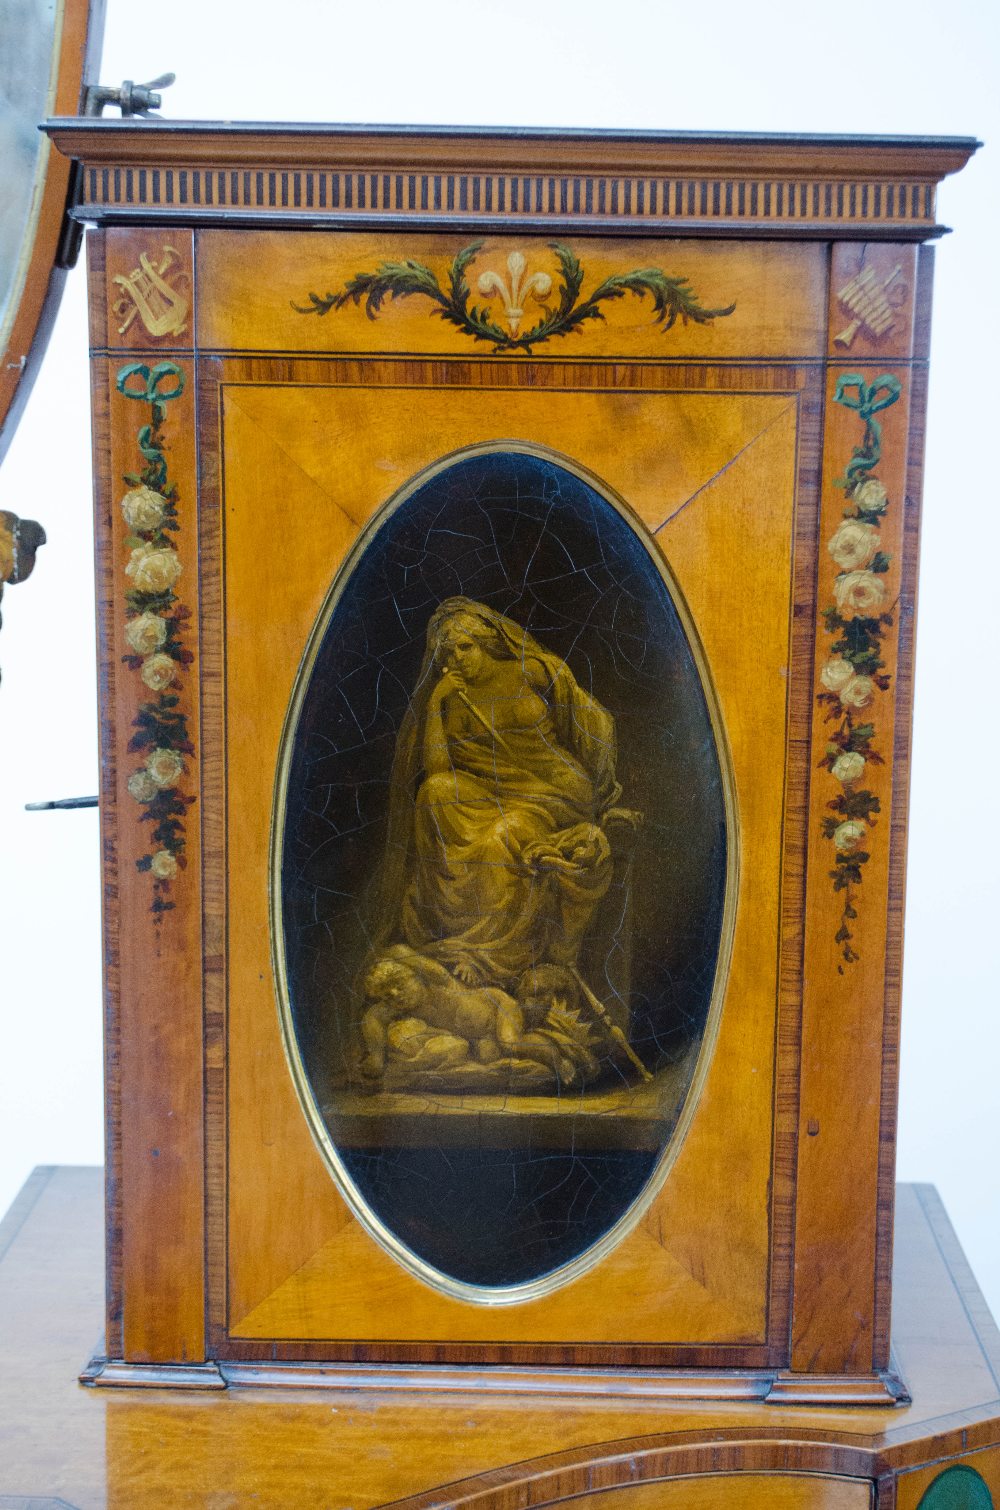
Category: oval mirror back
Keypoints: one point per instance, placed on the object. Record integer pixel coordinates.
(49, 50)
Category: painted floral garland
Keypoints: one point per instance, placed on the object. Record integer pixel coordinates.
(854, 674)
(154, 632)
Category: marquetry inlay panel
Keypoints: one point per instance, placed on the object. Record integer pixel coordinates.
(701, 202)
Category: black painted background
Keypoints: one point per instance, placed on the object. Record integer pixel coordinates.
(531, 539)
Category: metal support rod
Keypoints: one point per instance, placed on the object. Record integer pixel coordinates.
(59, 803)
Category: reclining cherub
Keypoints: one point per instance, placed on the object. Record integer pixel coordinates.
(405, 984)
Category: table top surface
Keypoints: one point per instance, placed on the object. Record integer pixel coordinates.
(83, 1448)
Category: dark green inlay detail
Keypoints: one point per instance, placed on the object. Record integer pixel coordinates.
(958, 1488)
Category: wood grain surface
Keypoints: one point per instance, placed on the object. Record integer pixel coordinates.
(850, 1024)
(690, 1273)
(153, 978)
(354, 1449)
(776, 1491)
(247, 288)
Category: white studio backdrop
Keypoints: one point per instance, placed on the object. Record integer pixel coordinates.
(718, 65)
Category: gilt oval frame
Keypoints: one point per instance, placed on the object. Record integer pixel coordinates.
(565, 1273)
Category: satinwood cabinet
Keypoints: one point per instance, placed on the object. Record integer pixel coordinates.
(506, 562)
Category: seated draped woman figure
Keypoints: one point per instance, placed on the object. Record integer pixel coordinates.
(496, 858)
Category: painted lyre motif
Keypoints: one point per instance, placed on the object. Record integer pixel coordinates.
(156, 292)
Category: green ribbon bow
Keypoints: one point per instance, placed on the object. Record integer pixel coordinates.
(155, 386)
(867, 400)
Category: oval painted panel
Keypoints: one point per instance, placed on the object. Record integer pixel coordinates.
(503, 873)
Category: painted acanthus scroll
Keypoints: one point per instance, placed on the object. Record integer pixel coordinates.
(854, 675)
(560, 306)
(154, 630)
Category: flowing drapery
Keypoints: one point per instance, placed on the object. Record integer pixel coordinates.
(498, 862)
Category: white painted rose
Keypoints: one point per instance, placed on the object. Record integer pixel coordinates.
(859, 593)
(154, 568)
(836, 673)
(165, 767)
(854, 544)
(143, 510)
(163, 865)
(871, 496)
(145, 633)
(158, 672)
(858, 693)
(848, 836)
(849, 766)
(142, 787)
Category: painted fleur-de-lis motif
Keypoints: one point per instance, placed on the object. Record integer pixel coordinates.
(514, 296)
(672, 296)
